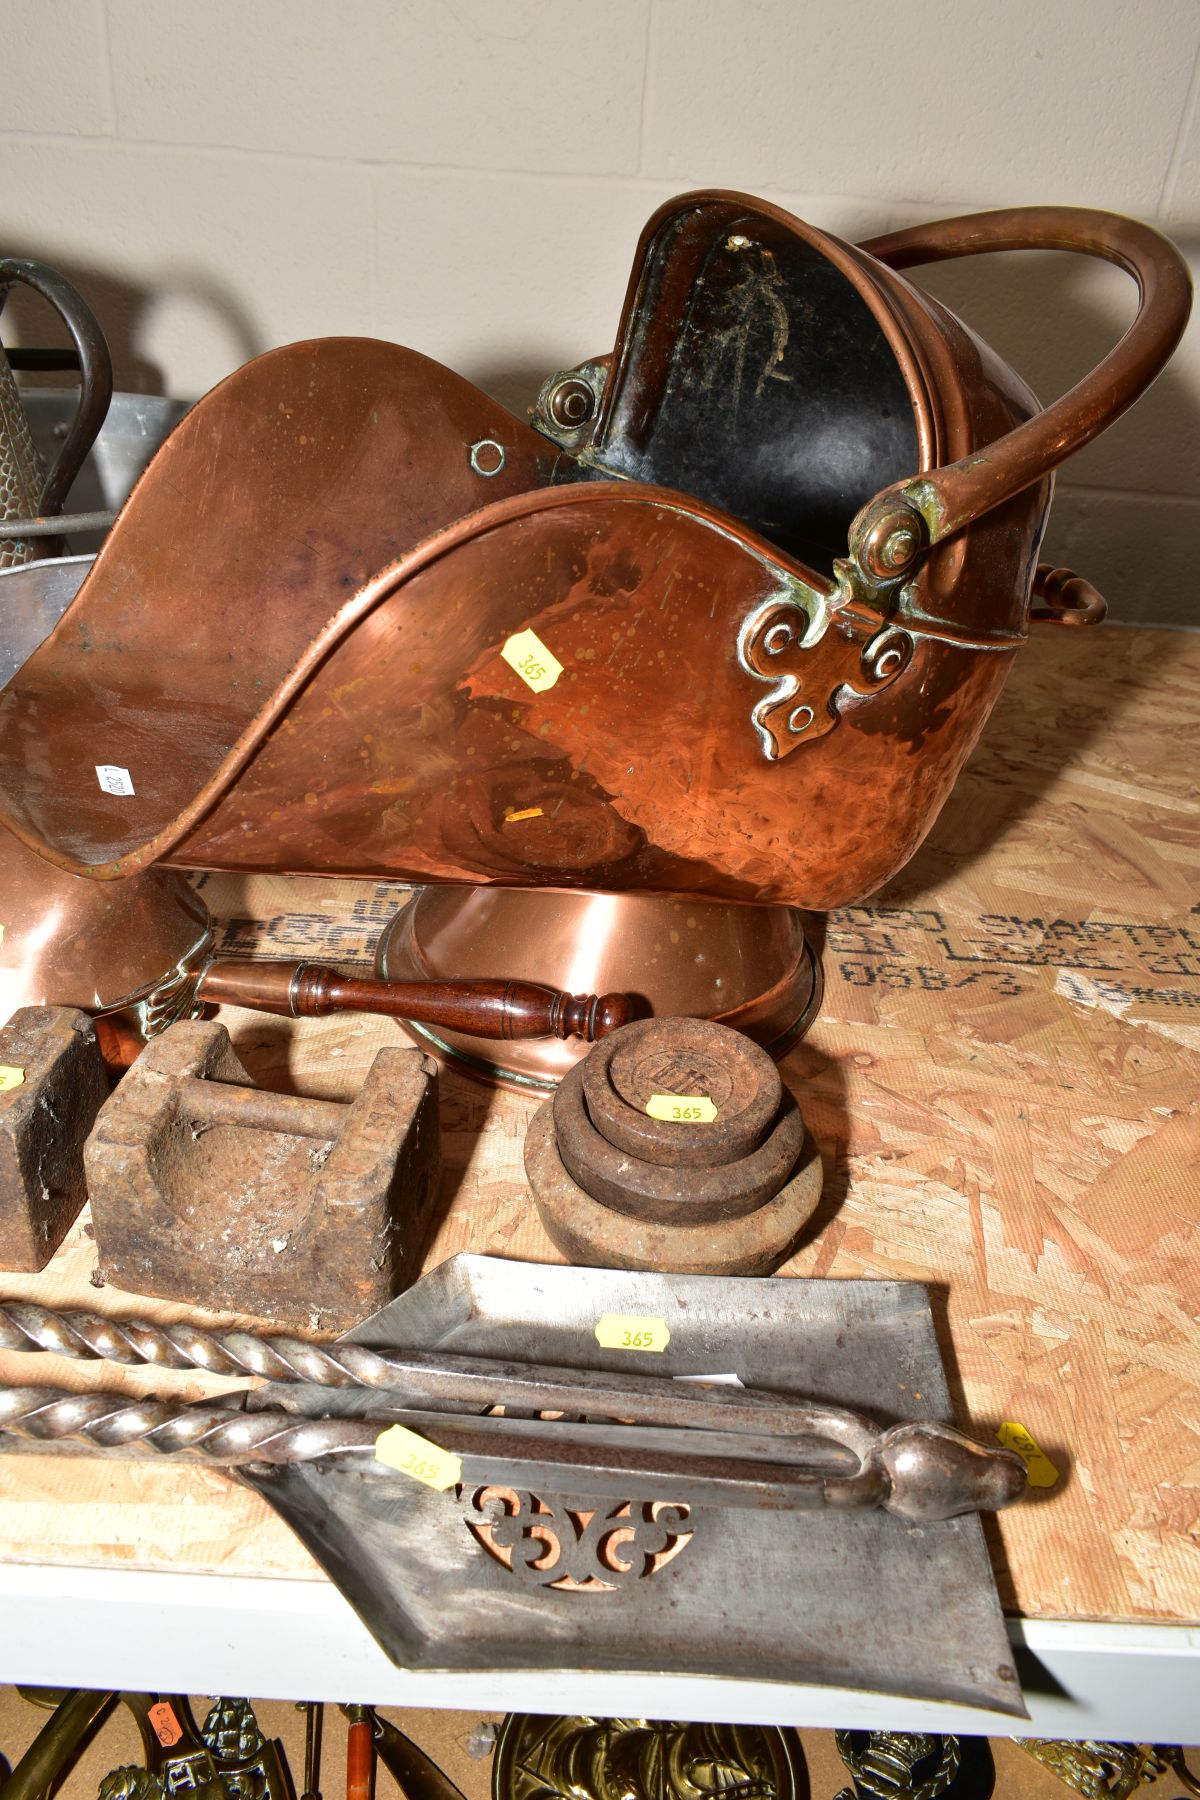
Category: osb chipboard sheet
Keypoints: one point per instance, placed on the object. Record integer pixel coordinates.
(1003, 1081)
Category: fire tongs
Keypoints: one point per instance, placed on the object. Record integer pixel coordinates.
(727, 1445)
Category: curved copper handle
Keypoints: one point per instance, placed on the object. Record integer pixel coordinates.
(897, 525)
(1061, 597)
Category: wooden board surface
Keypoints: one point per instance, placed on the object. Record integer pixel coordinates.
(1003, 1082)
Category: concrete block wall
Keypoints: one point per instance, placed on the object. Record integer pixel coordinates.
(470, 176)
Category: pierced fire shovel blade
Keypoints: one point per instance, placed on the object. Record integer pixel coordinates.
(522, 1572)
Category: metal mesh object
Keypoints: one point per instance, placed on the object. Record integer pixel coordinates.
(20, 471)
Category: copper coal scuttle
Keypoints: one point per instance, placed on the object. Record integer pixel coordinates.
(719, 624)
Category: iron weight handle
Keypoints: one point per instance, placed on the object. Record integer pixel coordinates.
(892, 531)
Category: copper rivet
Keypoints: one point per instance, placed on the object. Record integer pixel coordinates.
(571, 403)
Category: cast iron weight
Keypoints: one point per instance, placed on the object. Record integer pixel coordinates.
(682, 1057)
(683, 1194)
(674, 1145)
(52, 1085)
(308, 1212)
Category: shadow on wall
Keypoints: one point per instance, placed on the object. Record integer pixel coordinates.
(124, 309)
(516, 385)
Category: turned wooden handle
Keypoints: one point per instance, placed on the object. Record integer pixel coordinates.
(485, 1009)
(360, 1757)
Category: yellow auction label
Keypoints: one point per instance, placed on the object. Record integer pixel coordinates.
(538, 667)
(630, 1331)
(1040, 1471)
(693, 1109)
(526, 812)
(414, 1455)
(10, 1077)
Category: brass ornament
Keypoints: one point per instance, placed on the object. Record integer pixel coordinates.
(226, 1758)
(642, 1759)
(131, 1782)
(887, 1764)
(232, 1732)
(1098, 1770)
(1172, 1757)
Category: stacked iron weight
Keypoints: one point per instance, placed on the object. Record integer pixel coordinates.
(728, 1192)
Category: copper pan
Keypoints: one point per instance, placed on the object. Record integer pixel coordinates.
(752, 968)
(781, 546)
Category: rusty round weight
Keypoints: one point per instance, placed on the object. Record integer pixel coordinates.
(589, 1232)
(649, 1191)
(685, 1057)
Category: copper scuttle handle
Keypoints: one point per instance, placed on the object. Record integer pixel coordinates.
(895, 528)
(484, 1008)
(1061, 597)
